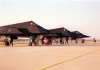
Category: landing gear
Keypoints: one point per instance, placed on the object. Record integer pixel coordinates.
(32, 40)
(6, 42)
(30, 44)
(11, 41)
(12, 38)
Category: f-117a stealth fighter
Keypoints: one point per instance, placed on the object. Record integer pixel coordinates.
(63, 32)
(59, 33)
(78, 35)
(24, 29)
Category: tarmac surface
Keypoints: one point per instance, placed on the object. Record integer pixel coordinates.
(81, 56)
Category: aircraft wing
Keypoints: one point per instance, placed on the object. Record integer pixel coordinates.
(30, 26)
(79, 35)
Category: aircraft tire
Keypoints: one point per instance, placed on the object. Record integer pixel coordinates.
(30, 44)
(6, 43)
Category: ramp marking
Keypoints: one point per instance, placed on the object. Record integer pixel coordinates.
(48, 66)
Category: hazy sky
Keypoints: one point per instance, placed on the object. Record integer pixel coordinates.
(74, 15)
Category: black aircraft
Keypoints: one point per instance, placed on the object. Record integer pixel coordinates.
(59, 33)
(24, 29)
(77, 35)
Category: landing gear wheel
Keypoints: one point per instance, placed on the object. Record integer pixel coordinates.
(30, 44)
(6, 43)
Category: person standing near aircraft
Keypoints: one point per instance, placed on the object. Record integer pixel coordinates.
(12, 38)
(42, 40)
(82, 41)
(11, 41)
(60, 40)
(76, 40)
(67, 40)
(46, 41)
(94, 40)
(33, 39)
(37, 40)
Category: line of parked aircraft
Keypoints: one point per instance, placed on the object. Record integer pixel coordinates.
(35, 32)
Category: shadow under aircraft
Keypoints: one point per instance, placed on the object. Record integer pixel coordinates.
(25, 29)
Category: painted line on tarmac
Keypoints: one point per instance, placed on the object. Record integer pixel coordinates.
(48, 66)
